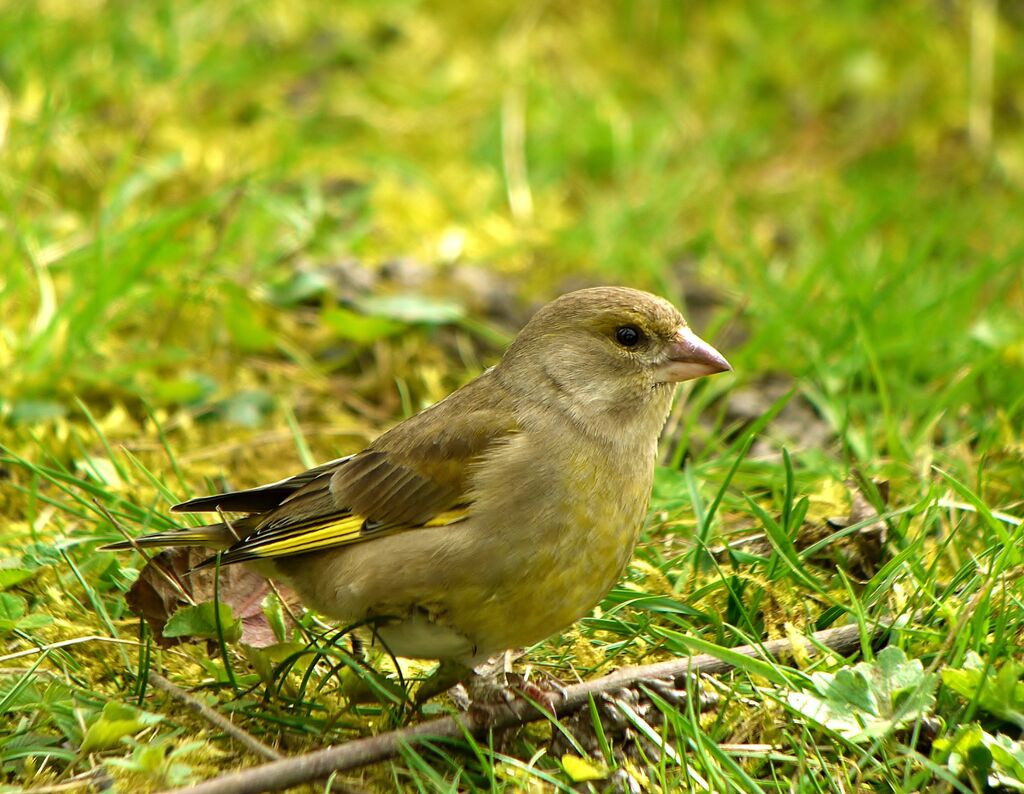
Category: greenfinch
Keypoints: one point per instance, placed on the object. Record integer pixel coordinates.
(497, 516)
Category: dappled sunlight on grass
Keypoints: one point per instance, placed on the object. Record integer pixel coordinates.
(240, 238)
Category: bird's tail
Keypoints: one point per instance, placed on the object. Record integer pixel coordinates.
(216, 536)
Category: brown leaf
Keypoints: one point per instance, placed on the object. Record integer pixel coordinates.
(164, 586)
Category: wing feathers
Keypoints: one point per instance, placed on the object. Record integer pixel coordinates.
(415, 475)
(215, 535)
(300, 539)
(259, 499)
(375, 485)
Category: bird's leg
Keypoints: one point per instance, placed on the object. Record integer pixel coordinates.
(358, 647)
(484, 685)
(448, 673)
(491, 684)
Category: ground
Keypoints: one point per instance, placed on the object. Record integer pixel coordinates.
(244, 237)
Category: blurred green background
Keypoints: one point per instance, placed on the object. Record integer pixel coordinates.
(240, 236)
(843, 179)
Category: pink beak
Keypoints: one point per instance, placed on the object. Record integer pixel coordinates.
(691, 357)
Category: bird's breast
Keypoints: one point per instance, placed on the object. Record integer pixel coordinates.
(567, 522)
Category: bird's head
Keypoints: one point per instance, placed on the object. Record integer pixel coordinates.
(608, 355)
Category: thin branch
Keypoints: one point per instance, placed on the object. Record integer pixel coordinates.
(211, 716)
(279, 775)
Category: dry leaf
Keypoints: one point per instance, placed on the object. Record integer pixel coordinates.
(164, 586)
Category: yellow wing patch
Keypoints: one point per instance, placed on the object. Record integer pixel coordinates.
(448, 517)
(337, 533)
(309, 536)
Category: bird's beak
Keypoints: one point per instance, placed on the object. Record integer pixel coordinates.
(688, 357)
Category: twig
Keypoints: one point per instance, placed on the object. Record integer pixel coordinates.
(313, 766)
(211, 716)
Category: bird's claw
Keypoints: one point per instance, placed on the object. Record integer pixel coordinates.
(488, 696)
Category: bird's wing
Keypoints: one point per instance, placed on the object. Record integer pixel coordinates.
(416, 475)
(259, 499)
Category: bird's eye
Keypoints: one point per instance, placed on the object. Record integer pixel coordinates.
(628, 336)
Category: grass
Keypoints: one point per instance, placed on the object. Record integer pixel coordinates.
(191, 195)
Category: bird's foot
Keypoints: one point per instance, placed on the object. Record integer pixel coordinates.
(448, 674)
(544, 690)
(493, 692)
(490, 687)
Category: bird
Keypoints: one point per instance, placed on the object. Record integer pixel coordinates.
(499, 515)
